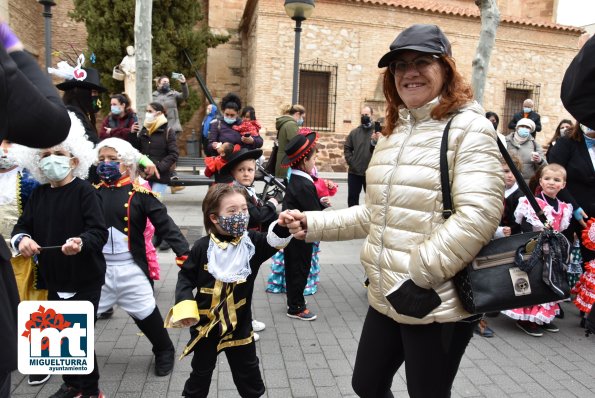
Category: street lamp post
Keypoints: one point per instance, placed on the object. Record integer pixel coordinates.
(298, 10)
(47, 14)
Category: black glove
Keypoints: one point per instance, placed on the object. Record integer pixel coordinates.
(412, 300)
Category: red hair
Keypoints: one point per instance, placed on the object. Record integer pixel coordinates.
(455, 94)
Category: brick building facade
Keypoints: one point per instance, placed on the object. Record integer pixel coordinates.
(340, 47)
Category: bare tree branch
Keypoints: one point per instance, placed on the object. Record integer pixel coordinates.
(490, 19)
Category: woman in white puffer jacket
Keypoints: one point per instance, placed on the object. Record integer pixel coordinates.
(411, 252)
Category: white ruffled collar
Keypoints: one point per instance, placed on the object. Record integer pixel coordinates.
(230, 261)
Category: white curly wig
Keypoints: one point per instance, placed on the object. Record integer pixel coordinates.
(127, 154)
(76, 143)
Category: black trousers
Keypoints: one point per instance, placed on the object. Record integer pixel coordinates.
(87, 384)
(355, 184)
(298, 259)
(431, 353)
(243, 363)
(5, 385)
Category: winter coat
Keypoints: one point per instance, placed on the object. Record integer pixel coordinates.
(223, 132)
(287, 128)
(161, 148)
(523, 152)
(357, 149)
(532, 115)
(120, 126)
(406, 234)
(170, 101)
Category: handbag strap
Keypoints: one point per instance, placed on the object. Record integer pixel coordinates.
(448, 209)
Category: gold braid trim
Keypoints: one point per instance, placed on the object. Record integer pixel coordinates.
(19, 199)
(235, 343)
(139, 188)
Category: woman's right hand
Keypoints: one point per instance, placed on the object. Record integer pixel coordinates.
(296, 222)
(28, 247)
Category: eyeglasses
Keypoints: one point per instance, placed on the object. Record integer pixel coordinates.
(421, 64)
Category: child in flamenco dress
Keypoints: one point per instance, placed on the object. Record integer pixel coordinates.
(585, 287)
(276, 282)
(534, 319)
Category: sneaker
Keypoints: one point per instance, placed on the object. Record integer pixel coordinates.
(256, 337)
(175, 189)
(550, 327)
(107, 314)
(531, 328)
(66, 392)
(305, 315)
(35, 380)
(258, 326)
(483, 329)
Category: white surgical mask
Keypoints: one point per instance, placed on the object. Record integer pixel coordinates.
(149, 117)
(524, 132)
(6, 163)
(527, 110)
(55, 167)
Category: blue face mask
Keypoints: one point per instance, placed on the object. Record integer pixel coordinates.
(300, 121)
(524, 132)
(116, 110)
(229, 120)
(55, 167)
(109, 171)
(527, 110)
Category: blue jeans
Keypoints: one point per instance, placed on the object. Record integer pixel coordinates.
(158, 187)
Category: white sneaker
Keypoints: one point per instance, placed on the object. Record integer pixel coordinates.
(257, 326)
(256, 337)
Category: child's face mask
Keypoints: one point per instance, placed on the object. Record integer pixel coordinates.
(234, 225)
(55, 167)
(109, 171)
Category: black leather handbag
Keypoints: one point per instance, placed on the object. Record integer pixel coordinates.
(512, 272)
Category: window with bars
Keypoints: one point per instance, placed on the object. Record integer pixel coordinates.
(318, 94)
(515, 93)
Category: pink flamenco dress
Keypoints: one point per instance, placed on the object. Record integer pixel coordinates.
(560, 220)
(585, 287)
(152, 259)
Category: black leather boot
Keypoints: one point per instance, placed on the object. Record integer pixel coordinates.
(163, 348)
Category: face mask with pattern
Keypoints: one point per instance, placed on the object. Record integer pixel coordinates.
(234, 225)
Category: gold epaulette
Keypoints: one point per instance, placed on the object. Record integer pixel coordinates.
(141, 189)
(97, 186)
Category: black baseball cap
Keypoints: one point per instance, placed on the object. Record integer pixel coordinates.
(425, 38)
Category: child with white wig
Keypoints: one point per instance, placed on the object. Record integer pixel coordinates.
(63, 224)
(126, 207)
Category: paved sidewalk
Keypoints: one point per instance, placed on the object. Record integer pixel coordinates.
(311, 359)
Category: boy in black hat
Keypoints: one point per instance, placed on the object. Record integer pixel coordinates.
(301, 194)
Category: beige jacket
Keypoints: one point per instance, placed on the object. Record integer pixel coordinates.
(406, 235)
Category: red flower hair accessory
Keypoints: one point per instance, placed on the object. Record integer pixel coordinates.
(588, 235)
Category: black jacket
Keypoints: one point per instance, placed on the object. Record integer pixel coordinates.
(532, 115)
(580, 179)
(131, 220)
(578, 86)
(357, 149)
(160, 147)
(32, 114)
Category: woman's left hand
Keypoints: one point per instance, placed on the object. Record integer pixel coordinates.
(72, 246)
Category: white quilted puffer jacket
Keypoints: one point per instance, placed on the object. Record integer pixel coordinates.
(401, 221)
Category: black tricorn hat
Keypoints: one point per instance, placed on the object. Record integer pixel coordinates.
(90, 82)
(298, 147)
(238, 157)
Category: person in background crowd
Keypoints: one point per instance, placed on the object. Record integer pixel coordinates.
(222, 130)
(211, 116)
(564, 128)
(121, 121)
(66, 211)
(410, 252)
(82, 98)
(493, 117)
(522, 144)
(38, 118)
(248, 113)
(358, 154)
(170, 99)
(527, 113)
(127, 278)
(287, 127)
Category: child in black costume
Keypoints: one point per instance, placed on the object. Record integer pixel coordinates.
(126, 207)
(223, 267)
(301, 194)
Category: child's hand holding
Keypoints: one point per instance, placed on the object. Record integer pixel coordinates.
(72, 246)
(186, 322)
(28, 247)
(326, 201)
